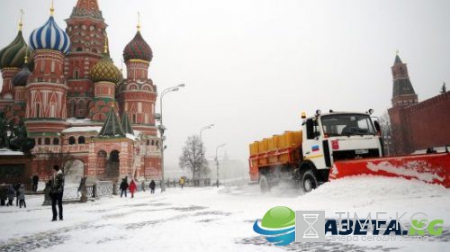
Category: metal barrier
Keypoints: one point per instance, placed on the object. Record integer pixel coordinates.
(102, 188)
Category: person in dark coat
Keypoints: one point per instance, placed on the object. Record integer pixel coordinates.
(21, 196)
(11, 194)
(35, 182)
(152, 186)
(123, 187)
(56, 192)
(3, 194)
(16, 189)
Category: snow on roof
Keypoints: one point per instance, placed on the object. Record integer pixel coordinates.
(83, 129)
(8, 152)
(131, 136)
(74, 120)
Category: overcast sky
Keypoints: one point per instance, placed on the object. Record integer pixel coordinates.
(252, 66)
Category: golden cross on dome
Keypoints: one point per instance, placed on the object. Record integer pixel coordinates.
(52, 10)
(21, 19)
(139, 22)
(105, 47)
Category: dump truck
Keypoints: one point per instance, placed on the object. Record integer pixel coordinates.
(336, 145)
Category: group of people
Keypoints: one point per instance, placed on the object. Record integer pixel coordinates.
(14, 191)
(132, 187)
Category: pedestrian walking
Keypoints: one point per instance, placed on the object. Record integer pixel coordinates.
(21, 196)
(132, 188)
(56, 193)
(16, 189)
(143, 185)
(11, 193)
(123, 187)
(35, 180)
(152, 186)
(181, 182)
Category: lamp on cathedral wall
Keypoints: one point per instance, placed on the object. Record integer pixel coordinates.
(162, 129)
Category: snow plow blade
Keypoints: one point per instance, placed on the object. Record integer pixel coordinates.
(430, 168)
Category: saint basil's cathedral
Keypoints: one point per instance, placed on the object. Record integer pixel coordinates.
(75, 102)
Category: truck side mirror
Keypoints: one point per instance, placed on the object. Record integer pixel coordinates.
(377, 127)
(310, 129)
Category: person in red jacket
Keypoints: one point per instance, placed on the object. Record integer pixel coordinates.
(132, 188)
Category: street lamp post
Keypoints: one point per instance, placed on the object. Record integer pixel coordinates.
(204, 128)
(217, 164)
(162, 129)
(201, 141)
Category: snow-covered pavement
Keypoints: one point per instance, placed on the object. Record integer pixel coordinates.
(211, 219)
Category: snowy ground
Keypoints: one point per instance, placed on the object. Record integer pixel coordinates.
(211, 219)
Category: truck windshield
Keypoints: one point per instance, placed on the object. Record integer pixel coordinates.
(347, 125)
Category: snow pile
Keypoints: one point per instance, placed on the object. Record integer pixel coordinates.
(372, 191)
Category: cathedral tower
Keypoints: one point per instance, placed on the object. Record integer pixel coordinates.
(16, 112)
(138, 94)
(137, 98)
(12, 59)
(46, 90)
(87, 31)
(105, 76)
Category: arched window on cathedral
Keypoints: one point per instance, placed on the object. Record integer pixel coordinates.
(72, 108)
(55, 141)
(134, 118)
(52, 110)
(71, 140)
(79, 49)
(47, 141)
(39, 141)
(81, 108)
(81, 140)
(38, 110)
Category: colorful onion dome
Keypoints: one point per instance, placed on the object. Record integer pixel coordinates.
(20, 79)
(137, 49)
(105, 70)
(50, 36)
(13, 55)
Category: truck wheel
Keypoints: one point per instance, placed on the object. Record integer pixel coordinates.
(309, 181)
(264, 184)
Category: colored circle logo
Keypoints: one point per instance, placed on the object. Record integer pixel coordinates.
(277, 225)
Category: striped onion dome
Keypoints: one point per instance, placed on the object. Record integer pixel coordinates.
(138, 49)
(13, 55)
(105, 70)
(50, 36)
(20, 79)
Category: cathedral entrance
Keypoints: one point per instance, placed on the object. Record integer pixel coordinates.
(113, 165)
